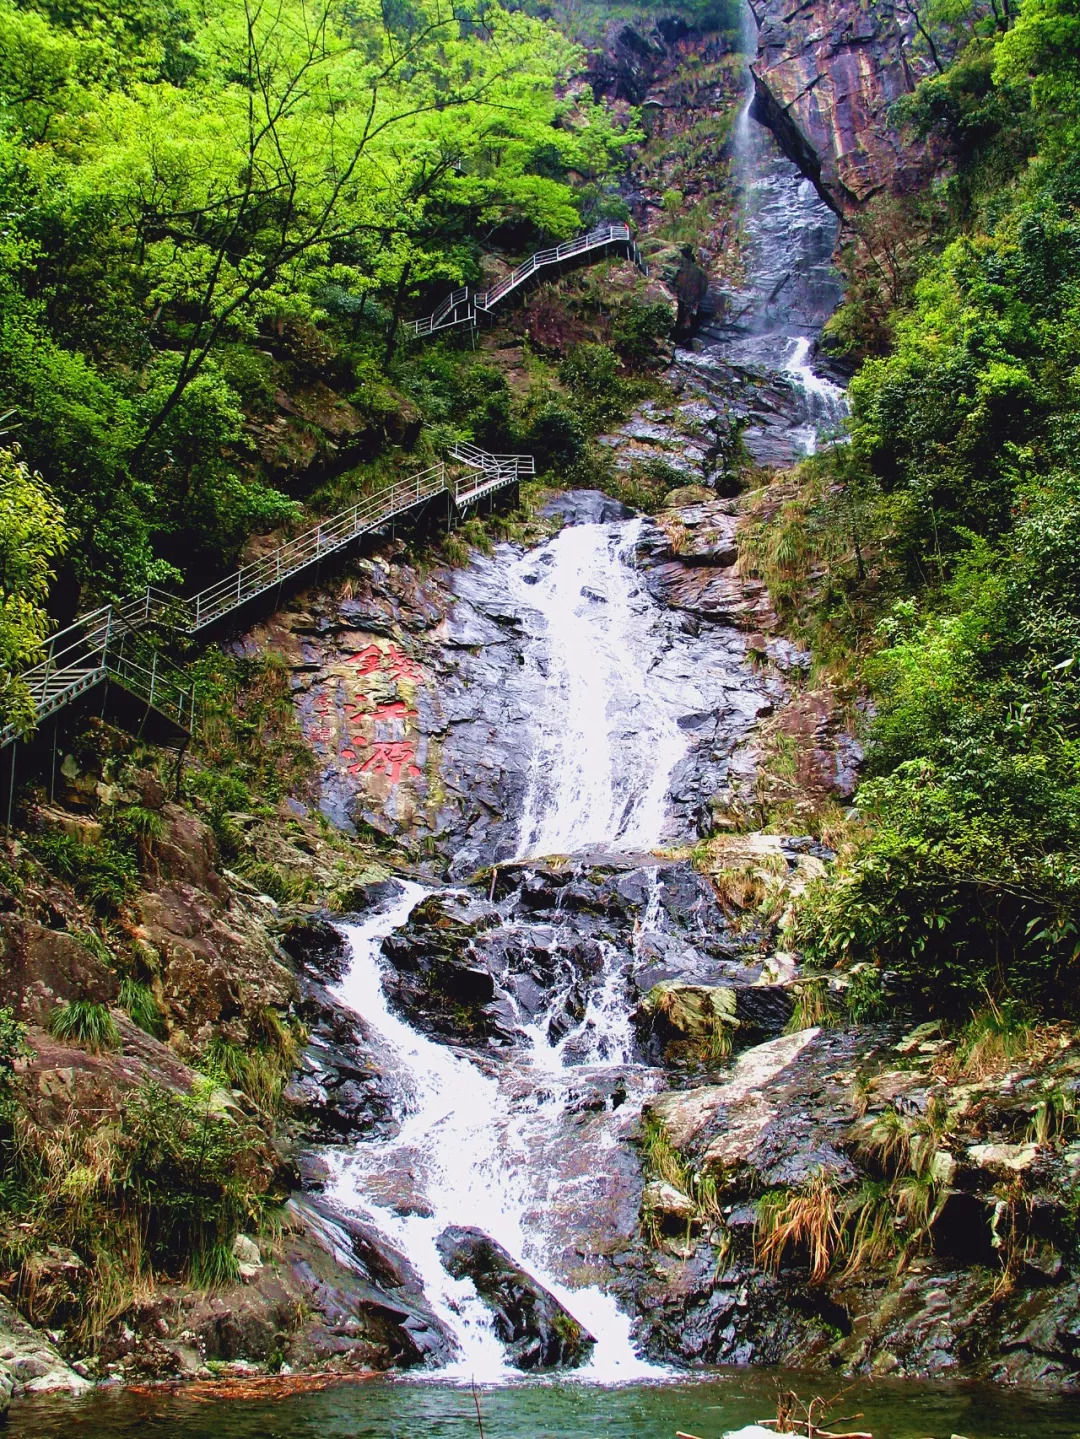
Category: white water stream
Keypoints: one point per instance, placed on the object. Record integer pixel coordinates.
(606, 741)
(825, 402)
(486, 1139)
(470, 1152)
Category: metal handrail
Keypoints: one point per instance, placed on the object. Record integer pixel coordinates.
(483, 300)
(105, 642)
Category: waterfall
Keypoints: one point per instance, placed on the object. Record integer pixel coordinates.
(824, 401)
(788, 290)
(606, 743)
(490, 1141)
(469, 1152)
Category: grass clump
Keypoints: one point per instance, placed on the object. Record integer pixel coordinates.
(142, 1007)
(83, 1022)
(157, 1191)
(262, 1068)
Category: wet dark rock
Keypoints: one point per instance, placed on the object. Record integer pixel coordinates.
(318, 950)
(372, 1290)
(537, 1331)
(338, 1092)
(438, 981)
(587, 507)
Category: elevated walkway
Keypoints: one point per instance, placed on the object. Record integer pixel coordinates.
(464, 306)
(108, 646)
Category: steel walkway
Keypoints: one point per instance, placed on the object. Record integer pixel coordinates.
(464, 306)
(108, 645)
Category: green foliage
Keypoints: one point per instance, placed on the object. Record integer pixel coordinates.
(13, 1046)
(151, 305)
(142, 1007)
(556, 436)
(261, 1068)
(952, 577)
(215, 1267)
(138, 821)
(158, 1191)
(105, 874)
(33, 534)
(191, 1176)
(966, 879)
(85, 1023)
(636, 327)
(248, 741)
(593, 375)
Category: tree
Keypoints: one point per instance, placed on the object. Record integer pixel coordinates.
(33, 534)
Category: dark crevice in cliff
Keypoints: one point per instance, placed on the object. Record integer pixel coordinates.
(768, 111)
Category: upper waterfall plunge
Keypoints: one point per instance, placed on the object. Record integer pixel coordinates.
(766, 326)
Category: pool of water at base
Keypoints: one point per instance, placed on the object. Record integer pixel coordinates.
(406, 1409)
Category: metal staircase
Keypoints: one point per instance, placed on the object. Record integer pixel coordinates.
(100, 648)
(464, 306)
(108, 646)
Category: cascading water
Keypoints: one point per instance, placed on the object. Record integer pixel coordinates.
(495, 1143)
(825, 402)
(470, 1151)
(488, 1141)
(607, 743)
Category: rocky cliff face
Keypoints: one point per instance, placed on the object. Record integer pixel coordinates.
(826, 74)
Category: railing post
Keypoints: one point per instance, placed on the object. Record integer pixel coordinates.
(153, 676)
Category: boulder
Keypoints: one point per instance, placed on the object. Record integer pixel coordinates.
(667, 1205)
(437, 978)
(689, 1021)
(826, 75)
(537, 1331)
(684, 1114)
(30, 1363)
(1013, 1157)
(586, 507)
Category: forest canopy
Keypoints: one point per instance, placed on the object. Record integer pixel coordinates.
(183, 182)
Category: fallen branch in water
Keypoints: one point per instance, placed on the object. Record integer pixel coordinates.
(786, 1421)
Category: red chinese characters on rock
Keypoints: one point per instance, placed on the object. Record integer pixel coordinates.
(392, 661)
(392, 758)
(318, 728)
(391, 751)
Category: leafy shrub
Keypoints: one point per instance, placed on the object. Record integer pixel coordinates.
(555, 436)
(636, 327)
(593, 376)
(86, 1023)
(966, 879)
(13, 1046)
(105, 875)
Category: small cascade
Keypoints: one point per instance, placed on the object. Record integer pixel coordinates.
(825, 402)
(469, 1152)
(607, 743)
